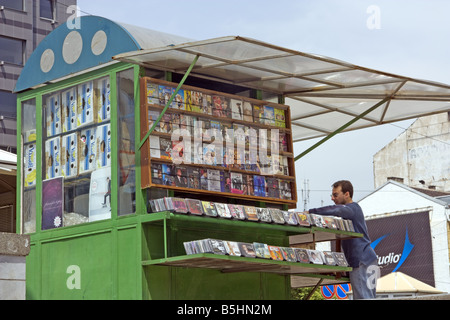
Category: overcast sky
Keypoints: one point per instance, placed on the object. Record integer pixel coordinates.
(409, 38)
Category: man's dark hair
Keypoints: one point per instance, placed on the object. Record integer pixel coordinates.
(345, 186)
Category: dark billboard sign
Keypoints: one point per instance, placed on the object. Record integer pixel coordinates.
(403, 243)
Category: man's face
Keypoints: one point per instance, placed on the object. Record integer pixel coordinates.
(338, 196)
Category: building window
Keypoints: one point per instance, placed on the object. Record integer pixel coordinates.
(12, 4)
(47, 9)
(8, 104)
(11, 50)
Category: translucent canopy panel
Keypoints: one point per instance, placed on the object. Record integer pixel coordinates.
(324, 93)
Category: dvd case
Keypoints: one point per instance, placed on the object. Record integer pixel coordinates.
(340, 259)
(302, 255)
(222, 210)
(261, 250)
(251, 213)
(179, 205)
(315, 256)
(209, 209)
(232, 248)
(328, 258)
(277, 216)
(247, 249)
(288, 254)
(237, 211)
(304, 219)
(264, 215)
(195, 207)
(275, 253)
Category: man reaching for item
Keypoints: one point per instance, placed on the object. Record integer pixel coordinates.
(358, 252)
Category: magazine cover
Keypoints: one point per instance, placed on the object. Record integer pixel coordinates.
(232, 248)
(69, 109)
(30, 165)
(103, 144)
(225, 181)
(69, 155)
(53, 115)
(237, 111)
(209, 209)
(195, 207)
(85, 109)
(303, 219)
(165, 92)
(315, 256)
(179, 205)
(193, 177)
(248, 111)
(103, 101)
(153, 115)
(277, 216)
(340, 259)
(237, 211)
(87, 149)
(261, 250)
(275, 253)
(290, 217)
(258, 114)
(280, 118)
(288, 254)
(214, 180)
(188, 100)
(247, 249)
(100, 194)
(251, 213)
(259, 186)
(196, 101)
(264, 215)
(269, 115)
(328, 258)
(152, 93)
(222, 210)
(237, 184)
(165, 146)
(52, 203)
(165, 123)
(178, 101)
(53, 158)
(180, 176)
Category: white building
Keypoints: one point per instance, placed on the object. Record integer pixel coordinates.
(410, 231)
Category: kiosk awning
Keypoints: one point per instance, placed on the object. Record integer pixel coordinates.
(326, 95)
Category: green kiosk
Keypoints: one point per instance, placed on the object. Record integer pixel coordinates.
(157, 167)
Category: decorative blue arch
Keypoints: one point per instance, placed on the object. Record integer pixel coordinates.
(72, 48)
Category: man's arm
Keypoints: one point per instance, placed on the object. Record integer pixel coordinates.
(336, 210)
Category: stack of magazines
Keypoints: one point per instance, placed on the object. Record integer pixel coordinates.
(264, 251)
(197, 207)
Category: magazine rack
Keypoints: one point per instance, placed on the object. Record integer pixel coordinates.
(280, 170)
(172, 254)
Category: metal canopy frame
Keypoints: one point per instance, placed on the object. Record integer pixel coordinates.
(326, 96)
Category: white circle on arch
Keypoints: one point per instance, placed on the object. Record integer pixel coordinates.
(99, 42)
(47, 60)
(72, 47)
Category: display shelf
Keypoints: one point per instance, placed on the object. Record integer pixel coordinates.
(300, 234)
(230, 264)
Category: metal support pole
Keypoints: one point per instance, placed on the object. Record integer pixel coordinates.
(345, 126)
(170, 101)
